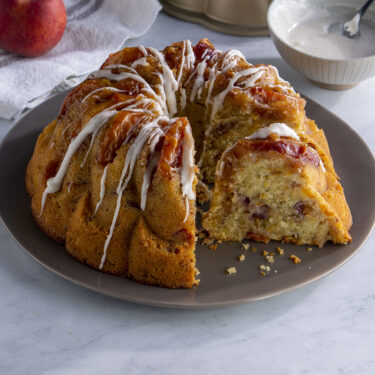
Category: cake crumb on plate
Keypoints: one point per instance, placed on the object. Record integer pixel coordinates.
(213, 246)
(295, 259)
(264, 267)
(280, 250)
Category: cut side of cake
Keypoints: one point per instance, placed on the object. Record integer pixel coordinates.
(271, 186)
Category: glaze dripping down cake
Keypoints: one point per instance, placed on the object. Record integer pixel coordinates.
(114, 176)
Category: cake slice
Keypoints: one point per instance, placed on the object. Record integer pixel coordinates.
(272, 186)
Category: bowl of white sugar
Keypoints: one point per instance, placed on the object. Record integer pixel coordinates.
(308, 35)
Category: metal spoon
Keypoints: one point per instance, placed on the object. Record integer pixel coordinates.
(351, 28)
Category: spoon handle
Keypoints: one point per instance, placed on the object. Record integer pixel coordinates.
(364, 7)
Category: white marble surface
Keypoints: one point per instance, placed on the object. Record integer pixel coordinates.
(50, 326)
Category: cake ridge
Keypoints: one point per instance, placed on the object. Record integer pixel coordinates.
(149, 130)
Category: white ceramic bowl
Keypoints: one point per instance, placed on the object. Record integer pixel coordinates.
(328, 73)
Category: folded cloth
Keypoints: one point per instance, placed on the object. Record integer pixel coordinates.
(94, 29)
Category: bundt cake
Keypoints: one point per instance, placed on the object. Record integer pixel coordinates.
(114, 175)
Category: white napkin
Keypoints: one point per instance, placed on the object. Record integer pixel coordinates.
(94, 29)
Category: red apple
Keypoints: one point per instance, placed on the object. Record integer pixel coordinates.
(31, 27)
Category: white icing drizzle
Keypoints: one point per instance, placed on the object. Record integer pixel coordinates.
(142, 61)
(182, 62)
(117, 76)
(192, 74)
(190, 61)
(93, 137)
(287, 88)
(109, 88)
(96, 122)
(322, 165)
(142, 105)
(218, 101)
(187, 169)
(162, 95)
(186, 208)
(190, 57)
(65, 129)
(220, 164)
(199, 80)
(168, 82)
(143, 50)
(70, 186)
(132, 155)
(211, 79)
(102, 189)
(133, 74)
(280, 129)
(249, 82)
(204, 54)
(199, 93)
(278, 75)
(229, 61)
(150, 167)
(125, 75)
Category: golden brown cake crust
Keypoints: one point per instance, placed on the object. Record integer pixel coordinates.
(335, 194)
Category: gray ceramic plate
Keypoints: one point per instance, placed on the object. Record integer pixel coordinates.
(354, 162)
